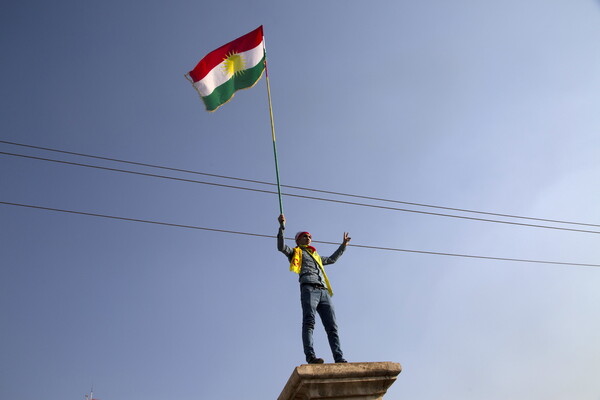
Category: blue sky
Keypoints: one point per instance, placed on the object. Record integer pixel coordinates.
(477, 105)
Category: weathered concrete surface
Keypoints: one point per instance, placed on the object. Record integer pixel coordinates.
(355, 381)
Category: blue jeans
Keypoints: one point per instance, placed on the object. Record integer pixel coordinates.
(318, 300)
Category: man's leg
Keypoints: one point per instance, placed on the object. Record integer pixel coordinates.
(309, 299)
(327, 314)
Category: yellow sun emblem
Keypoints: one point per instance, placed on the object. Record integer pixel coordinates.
(234, 64)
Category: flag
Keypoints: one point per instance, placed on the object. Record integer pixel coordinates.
(236, 65)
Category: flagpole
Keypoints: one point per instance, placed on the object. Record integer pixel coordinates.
(273, 132)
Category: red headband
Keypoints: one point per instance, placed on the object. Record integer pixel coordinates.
(300, 234)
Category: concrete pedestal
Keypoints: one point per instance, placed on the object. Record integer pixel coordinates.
(352, 381)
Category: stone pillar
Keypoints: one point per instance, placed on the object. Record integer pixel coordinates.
(352, 381)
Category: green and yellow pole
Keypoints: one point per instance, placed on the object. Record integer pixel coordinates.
(273, 134)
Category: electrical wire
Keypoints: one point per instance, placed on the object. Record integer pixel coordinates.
(302, 188)
(316, 241)
(298, 195)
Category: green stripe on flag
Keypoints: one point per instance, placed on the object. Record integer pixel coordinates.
(241, 80)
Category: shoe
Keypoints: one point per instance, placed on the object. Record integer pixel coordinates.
(315, 360)
(341, 361)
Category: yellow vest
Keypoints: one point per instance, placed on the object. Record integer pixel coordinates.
(296, 263)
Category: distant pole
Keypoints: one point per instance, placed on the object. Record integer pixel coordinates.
(273, 133)
(91, 395)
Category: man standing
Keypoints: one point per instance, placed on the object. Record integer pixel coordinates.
(315, 290)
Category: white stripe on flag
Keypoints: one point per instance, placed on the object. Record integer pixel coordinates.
(219, 75)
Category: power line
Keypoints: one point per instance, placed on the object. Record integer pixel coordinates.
(316, 241)
(298, 195)
(302, 188)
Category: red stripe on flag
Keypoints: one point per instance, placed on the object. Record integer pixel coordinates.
(215, 57)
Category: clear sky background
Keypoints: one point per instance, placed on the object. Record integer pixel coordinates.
(481, 105)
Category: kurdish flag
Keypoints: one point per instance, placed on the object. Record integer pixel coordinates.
(236, 65)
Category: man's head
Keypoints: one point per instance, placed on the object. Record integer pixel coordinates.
(303, 238)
